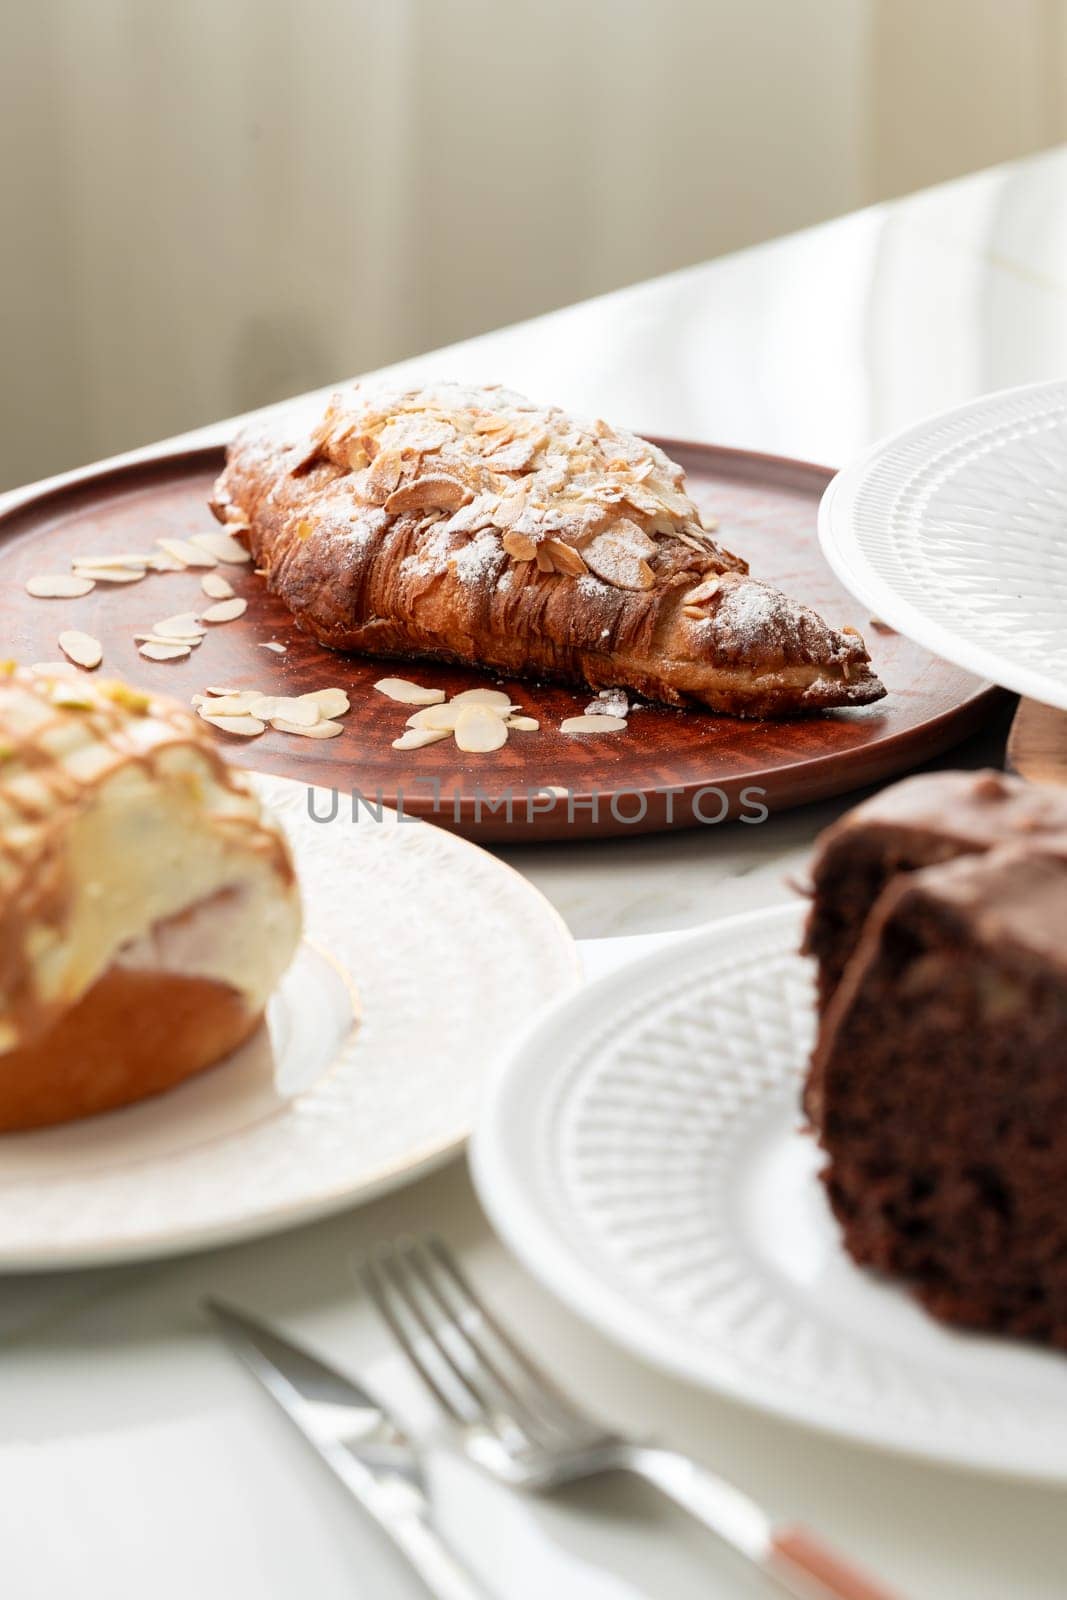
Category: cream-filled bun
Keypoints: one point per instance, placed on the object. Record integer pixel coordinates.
(148, 904)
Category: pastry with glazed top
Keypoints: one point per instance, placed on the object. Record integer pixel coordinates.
(939, 1089)
(932, 817)
(469, 525)
(148, 906)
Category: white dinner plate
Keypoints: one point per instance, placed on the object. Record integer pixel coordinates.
(955, 533)
(641, 1151)
(421, 952)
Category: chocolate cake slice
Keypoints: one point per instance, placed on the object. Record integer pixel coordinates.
(939, 1090)
(933, 817)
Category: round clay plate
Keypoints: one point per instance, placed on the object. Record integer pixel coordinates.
(367, 1074)
(641, 1152)
(668, 768)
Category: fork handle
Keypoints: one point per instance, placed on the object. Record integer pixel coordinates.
(799, 1562)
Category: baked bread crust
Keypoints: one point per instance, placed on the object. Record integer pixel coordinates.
(468, 525)
(118, 819)
(148, 904)
(131, 1036)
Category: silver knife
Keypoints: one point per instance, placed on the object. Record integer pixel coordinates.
(356, 1437)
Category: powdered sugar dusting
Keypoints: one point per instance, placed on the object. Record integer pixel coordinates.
(755, 617)
(432, 555)
(532, 474)
(479, 559)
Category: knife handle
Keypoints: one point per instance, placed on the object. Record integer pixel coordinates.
(439, 1569)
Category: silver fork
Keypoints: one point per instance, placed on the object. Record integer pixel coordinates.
(513, 1420)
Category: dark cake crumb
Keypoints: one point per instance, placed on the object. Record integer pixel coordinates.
(938, 1085)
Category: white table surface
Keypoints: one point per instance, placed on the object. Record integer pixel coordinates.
(136, 1459)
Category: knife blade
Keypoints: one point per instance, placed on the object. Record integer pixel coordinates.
(359, 1441)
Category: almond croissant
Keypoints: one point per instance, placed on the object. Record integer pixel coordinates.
(469, 525)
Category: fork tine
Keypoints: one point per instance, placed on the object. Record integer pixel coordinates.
(396, 1265)
(372, 1278)
(526, 1419)
(549, 1399)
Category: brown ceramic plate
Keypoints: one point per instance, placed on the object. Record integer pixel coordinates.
(668, 769)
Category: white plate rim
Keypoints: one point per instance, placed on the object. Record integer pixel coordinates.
(522, 1225)
(392, 1175)
(852, 567)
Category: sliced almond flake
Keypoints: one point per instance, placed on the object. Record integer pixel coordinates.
(703, 591)
(485, 697)
(184, 626)
(331, 702)
(436, 491)
(186, 553)
(263, 706)
(523, 724)
(226, 610)
(564, 557)
(408, 693)
(416, 738)
(216, 586)
(164, 650)
(519, 546)
(54, 669)
(279, 649)
(109, 574)
(316, 730)
(440, 718)
(81, 648)
(617, 556)
(241, 704)
(58, 586)
(479, 729)
(230, 691)
(192, 640)
(510, 509)
(222, 547)
(304, 713)
(161, 563)
(128, 558)
(245, 727)
(589, 724)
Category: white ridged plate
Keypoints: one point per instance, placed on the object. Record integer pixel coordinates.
(641, 1152)
(955, 533)
(439, 948)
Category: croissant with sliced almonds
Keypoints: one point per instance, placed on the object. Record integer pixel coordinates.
(469, 525)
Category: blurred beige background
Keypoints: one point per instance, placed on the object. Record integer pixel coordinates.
(210, 204)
